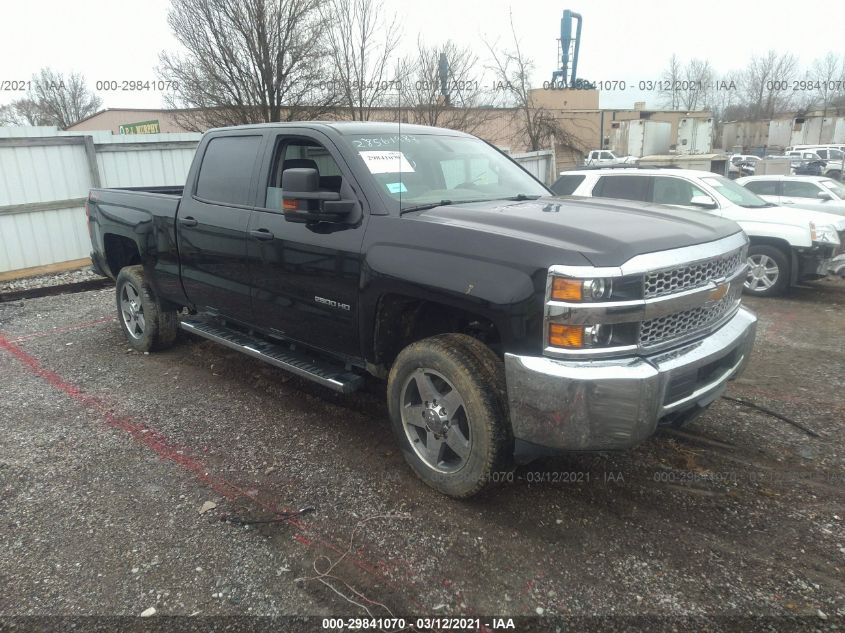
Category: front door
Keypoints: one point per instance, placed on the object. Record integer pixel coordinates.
(305, 276)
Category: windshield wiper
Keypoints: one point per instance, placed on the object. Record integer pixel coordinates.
(445, 203)
(442, 203)
(423, 207)
(520, 197)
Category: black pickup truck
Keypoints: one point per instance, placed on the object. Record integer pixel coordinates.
(507, 323)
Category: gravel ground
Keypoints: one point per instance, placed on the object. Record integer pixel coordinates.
(125, 480)
(44, 281)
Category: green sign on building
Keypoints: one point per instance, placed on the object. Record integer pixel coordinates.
(142, 127)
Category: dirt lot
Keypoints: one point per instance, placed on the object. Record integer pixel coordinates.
(107, 458)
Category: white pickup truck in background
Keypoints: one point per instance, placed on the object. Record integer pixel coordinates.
(604, 157)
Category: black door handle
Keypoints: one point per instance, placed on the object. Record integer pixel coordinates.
(189, 221)
(262, 234)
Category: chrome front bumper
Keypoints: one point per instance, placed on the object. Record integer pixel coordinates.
(587, 405)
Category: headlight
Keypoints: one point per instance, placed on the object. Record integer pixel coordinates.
(568, 289)
(825, 234)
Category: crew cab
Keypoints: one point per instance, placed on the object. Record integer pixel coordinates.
(507, 323)
(787, 245)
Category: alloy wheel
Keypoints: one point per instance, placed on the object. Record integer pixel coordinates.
(434, 416)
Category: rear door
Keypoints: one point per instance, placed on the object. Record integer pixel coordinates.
(305, 276)
(801, 194)
(212, 225)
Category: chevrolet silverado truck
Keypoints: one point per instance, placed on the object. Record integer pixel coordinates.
(507, 323)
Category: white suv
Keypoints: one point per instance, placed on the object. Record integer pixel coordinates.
(787, 245)
(801, 192)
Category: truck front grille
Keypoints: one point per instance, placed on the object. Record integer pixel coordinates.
(674, 326)
(694, 275)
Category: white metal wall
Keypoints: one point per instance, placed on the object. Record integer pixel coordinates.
(540, 164)
(45, 175)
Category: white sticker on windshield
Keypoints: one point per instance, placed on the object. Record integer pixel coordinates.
(386, 162)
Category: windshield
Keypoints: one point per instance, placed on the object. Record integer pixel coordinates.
(735, 193)
(418, 169)
(836, 188)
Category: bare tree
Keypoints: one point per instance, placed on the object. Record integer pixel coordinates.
(669, 79)
(8, 116)
(247, 61)
(827, 81)
(686, 86)
(697, 83)
(765, 84)
(443, 87)
(537, 127)
(52, 99)
(362, 41)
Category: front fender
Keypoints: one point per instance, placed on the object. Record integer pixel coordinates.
(511, 297)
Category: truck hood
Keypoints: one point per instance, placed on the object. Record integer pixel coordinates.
(791, 216)
(607, 232)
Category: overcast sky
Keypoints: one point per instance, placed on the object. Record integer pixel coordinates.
(622, 40)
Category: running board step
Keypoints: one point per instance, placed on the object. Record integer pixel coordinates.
(320, 371)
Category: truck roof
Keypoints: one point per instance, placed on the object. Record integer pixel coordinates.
(352, 127)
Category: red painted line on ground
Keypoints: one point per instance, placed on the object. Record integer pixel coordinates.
(61, 330)
(158, 443)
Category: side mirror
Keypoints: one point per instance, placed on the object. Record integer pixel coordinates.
(824, 195)
(303, 201)
(704, 202)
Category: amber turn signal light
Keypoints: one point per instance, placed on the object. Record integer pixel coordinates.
(571, 336)
(564, 289)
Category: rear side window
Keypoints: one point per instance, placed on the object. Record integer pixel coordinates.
(623, 187)
(763, 187)
(566, 185)
(800, 189)
(227, 169)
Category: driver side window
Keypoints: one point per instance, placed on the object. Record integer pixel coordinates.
(293, 153)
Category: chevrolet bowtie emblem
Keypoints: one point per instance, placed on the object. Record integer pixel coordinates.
(719, 291)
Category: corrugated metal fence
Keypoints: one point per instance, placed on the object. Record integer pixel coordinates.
(540, 164)
(45, 175)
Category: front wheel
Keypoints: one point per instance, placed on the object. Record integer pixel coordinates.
(448, 408)
(146, 324)
(768, 271)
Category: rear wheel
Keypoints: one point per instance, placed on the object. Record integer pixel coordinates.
(147, 325)
(768, 271)
(447, 401)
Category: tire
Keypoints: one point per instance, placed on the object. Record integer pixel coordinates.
(473, 442)
(768, 271)
(834, 174)
(148, 327)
